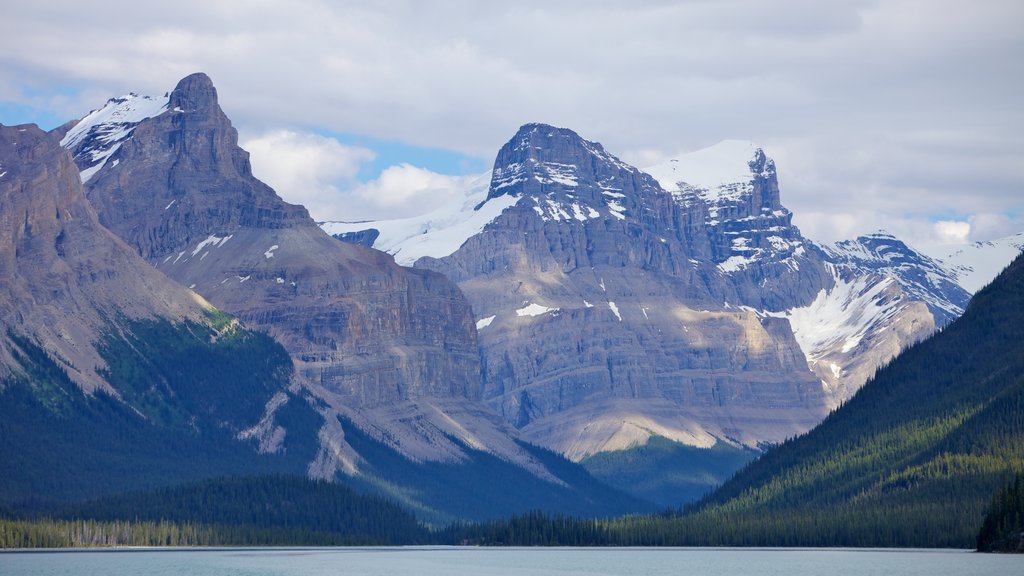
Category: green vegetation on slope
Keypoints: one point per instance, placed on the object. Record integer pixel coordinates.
(483, 486)
(912, 460)
(271, 509)
(668, 473)
(187, 392)
(1003, 529)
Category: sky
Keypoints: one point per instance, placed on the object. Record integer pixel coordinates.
(903, 115)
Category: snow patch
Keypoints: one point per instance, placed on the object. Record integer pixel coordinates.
(711, 169)
(615, 310)
(212, 241)
(843, 316)
(534, 310)
(484, 322)
(436, 234)
(616, 209)
(270, 251)
(108, 127)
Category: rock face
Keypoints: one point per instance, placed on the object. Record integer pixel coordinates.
(610, 310)
(64, 279)
(614, 304)
(886, 296)
(391, 349)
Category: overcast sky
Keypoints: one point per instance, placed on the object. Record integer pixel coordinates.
(906, 115)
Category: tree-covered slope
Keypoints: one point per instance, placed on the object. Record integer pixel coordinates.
(915, 456)
(186, 392)
(913, 459)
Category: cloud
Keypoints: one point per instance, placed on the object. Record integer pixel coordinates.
(891, 114)
(406, 190)
(307, 169)
(952, 231)
(321, 174)
(988, 226)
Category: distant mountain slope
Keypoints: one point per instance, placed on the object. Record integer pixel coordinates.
(604, 313)
(615, 305)
(111, 376)
(975, 265)
(915, 456)
(388, 349)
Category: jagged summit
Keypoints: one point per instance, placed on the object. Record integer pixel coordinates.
(193, 92)
(542, 159)
(135, 141)
(920, 277)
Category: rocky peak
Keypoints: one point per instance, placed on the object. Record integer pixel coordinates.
(194, 92)
(919, 276)
(63, 277)
(751, 234)
(568, 177)
(183, 151)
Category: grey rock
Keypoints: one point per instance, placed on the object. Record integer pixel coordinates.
(608, 306)
(64, 278)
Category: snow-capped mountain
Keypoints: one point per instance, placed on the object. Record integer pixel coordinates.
(603, 314)
(435, 234)
(975, 265)
(97, 136)
(389, 348)
(885, 296)
(719, 226)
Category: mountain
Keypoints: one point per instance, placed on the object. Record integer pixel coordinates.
(885, 296)
(93, 395)
(615, 305)
(63, 275)
(975, 265)
(385, 354)
(604, 317)
(914, 457)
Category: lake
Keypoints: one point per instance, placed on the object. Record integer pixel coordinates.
(443, 561)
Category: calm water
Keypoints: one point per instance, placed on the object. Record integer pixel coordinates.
(510, 561)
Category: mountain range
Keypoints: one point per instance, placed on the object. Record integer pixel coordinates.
(571, 313)
(616, 305)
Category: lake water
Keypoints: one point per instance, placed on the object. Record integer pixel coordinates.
(444, 561)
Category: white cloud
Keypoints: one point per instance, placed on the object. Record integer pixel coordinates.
(405, 190)
(321, 174)
(989, 226)
(952, 231)
(881, 114)
(307, 169)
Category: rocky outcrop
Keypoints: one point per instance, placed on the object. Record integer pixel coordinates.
(64, 279)
(605, 315)
(390, 349)
(181, 191)
(885, 297)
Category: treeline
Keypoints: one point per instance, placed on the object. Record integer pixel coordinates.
(250, 511)
(907, 526)
(1003, 529)
(294, 504)
(51, 533)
